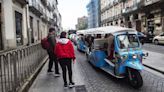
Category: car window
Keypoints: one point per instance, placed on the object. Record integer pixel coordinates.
(140, 34)
(128, 41)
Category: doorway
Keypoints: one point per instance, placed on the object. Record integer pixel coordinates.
(138, 25)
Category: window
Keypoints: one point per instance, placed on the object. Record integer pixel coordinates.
(38, 30)
(32, 31)
(18, 24)
(127, 41)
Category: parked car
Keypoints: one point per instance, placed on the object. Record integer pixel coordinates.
(159, 39)
(141, 37)
(149, 38)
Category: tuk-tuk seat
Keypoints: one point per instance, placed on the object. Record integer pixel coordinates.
(100, 44)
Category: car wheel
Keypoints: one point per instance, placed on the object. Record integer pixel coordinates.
(156, 42)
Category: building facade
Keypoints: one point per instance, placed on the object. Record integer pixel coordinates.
(111, 12)
(24, 22)
(82, 23)
(144, 15)
(93, 9)
(152, 18)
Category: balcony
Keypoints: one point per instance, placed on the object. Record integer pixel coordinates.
(133, 8)
(151, 2)
(23, 2)
(44, 2)
(35, 8)
(106, 8)
(49, 20)
(49, 7)
(44, 18)
(151, 5)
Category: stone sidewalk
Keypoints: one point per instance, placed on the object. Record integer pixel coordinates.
(154, 61)
(48, 83)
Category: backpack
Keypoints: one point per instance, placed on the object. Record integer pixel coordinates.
(45, 44)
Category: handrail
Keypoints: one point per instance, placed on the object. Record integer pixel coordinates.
(16, 66)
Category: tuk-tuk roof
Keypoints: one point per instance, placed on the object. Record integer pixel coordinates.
(107, 30)
(81, 32)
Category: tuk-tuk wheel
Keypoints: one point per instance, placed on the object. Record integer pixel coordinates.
(135, 78)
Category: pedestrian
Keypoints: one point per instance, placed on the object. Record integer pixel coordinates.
(65, 55)
(52, 57)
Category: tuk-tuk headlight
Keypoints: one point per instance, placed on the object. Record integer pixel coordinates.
(134, 56)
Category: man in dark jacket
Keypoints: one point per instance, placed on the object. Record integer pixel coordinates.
(52, 57)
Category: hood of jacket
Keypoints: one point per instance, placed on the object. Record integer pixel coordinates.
(63, 40)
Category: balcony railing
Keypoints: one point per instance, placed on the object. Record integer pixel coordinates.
(44, 18)
(49, 7)
(106, 8)
(44, 2)
(21, 1)
(134, 7)
(35, 8)
(151, 2)
(18, 65)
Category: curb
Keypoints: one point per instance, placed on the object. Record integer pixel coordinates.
(154, 69)
(31, 79)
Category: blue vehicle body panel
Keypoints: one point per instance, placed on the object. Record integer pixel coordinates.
(81, 45)
(97, 58)
(134, 64)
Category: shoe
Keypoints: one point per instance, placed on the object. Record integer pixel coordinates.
(65, 86)
(57, 74)
(49, 71)
(71, 84)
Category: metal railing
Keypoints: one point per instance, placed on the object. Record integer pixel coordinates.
(18, 65)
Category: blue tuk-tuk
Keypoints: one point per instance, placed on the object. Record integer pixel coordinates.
(81, 45)
(118, 52)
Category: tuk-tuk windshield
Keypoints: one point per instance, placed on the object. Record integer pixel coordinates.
(127, 41)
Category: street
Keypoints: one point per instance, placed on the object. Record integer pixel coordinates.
(99, 81)
(154, 48)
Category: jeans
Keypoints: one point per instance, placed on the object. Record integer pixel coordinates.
(66, 63)
(52, 58)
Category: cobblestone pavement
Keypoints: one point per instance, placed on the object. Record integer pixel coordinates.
(96, 80)
(154, 48)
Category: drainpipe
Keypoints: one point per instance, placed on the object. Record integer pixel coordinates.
(28, 24)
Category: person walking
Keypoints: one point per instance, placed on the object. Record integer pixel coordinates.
(52, 56)
(65, 55)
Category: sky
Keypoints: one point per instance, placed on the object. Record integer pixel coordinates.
(70, 10)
